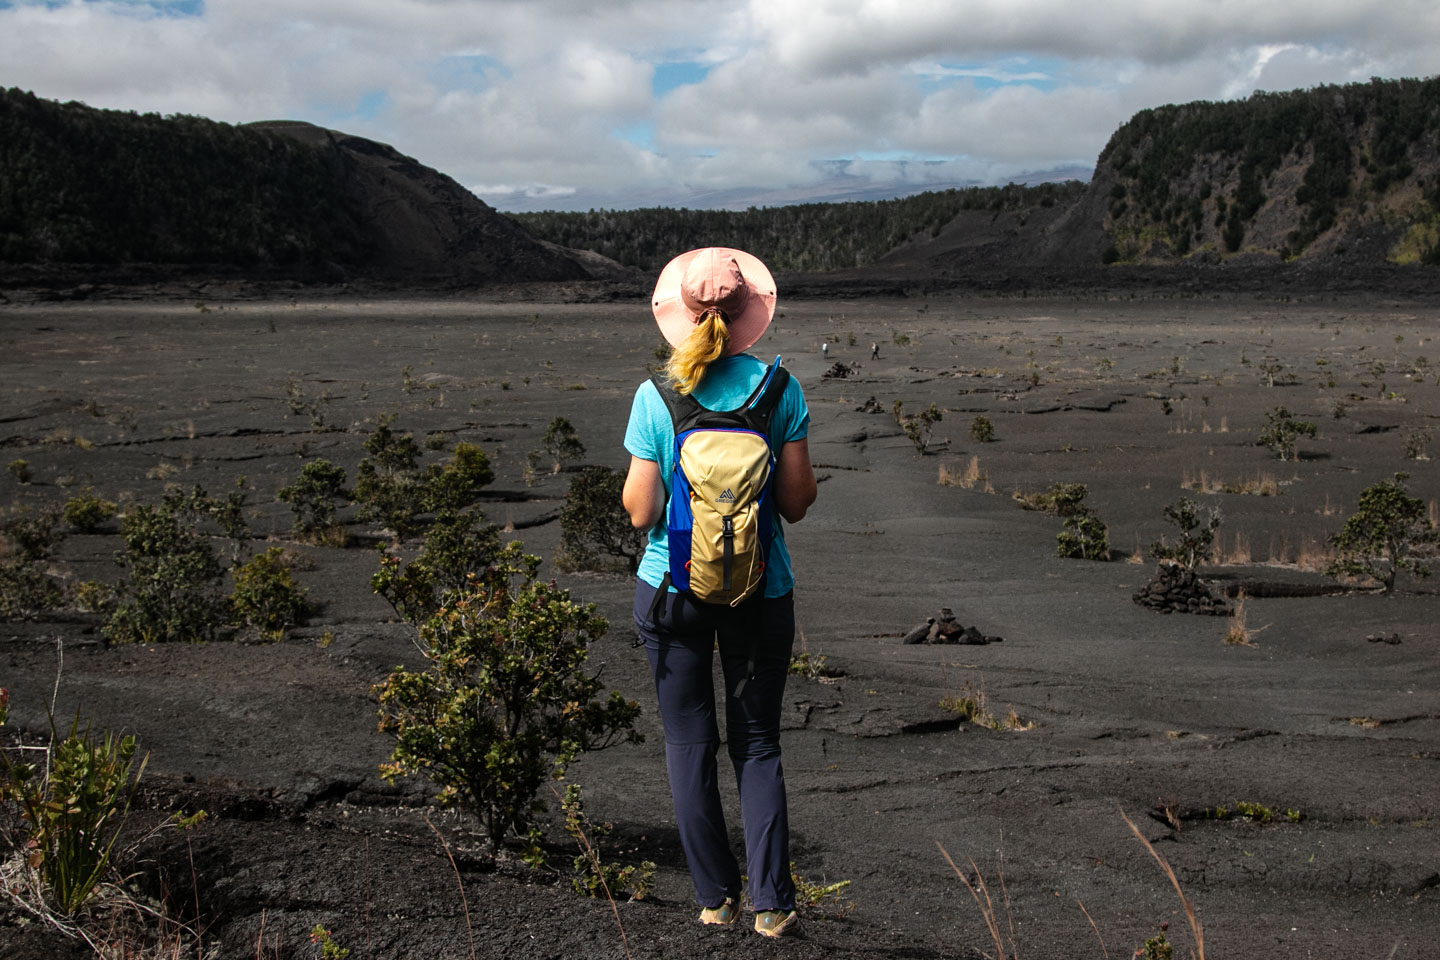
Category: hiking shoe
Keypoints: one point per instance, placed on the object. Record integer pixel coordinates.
(725, 913)
(778, 923)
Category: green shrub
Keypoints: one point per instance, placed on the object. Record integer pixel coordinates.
(1281, 432)
(390, 487)
(171, 590)
(457, 545)
(506, 700)
(71, 805)
(20, 470)
(27, 541)
(918, 426)
(594, 522)
(1196, 537)
(387, 482)
(1085, 537)
(457, 483)
(593, 876)
(562, 443)
(982, 430)
(1381, 537)
(87, 511)
(266, 596)
(314, 496)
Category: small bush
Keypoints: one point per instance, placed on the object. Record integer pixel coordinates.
(593, 876)
(27, 541)
(918, 426)
(1383, 535)
(20, 470)
(387, 483)
(982, 430)
(561, 443)
(266, 596)
(87, 511)
(457, 546)
(314, 497)
(1196, 538)
(457, 483)
(1281, 432)
(391, 489)
(593, 523)
(1417, 444)
(72, 806)
(1085, 537)
(506, 700)
(172, 587)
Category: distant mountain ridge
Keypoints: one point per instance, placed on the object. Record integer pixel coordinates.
(278, 199)
(1330, 179)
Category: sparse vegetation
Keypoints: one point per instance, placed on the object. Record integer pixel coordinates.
(171, 590)
(70, 806)
(982, 430)
(1196, 538)
(458, 545)
(918, 426)
(1389, 531)
(593, 877)
(1282, 431)
(314, 497)
(86, 512)
(562, 443)
(266, 595)
(28, 540)
(505, 701)
(20, 470)
(594, 524)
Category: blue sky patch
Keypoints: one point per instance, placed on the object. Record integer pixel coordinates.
(641, 134)
(668, 76)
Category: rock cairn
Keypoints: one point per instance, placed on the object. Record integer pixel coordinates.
(946, 629)
(870, 406)
(1177, 589)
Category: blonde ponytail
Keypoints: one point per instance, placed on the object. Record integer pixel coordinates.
(703, 347)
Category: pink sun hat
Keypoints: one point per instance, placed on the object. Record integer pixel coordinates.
(733, 280)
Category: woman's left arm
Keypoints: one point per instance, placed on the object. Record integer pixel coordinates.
(794, 480)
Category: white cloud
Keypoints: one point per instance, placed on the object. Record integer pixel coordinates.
(537, 96)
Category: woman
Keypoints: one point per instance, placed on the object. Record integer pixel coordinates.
(711, 305)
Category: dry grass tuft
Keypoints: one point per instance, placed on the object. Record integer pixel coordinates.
(972, 477)
(1237, 634)
(987, 906)
(1314, 556)
(1195, 928)
(1239, 554)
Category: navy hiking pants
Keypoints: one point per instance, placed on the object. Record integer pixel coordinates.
(680, 643)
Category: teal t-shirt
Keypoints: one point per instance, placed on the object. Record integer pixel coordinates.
(650, 435)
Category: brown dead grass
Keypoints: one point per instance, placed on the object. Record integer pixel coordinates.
(972, 477)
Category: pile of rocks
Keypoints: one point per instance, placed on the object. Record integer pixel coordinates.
(946, 629)
(1177, 589)
(870, 406)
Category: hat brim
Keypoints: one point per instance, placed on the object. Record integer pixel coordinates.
(677, 322)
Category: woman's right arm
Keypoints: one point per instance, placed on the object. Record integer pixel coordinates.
(644, 494)
(794, 481)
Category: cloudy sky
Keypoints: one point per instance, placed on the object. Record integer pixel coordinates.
(571, 104)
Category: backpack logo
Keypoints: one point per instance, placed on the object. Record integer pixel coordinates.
(727, 497)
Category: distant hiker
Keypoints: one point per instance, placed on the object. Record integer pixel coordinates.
(825, 350)
(874, 350)
(712, 305)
